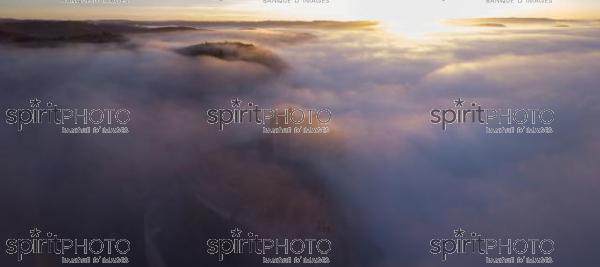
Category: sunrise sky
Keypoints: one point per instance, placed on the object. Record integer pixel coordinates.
(385, 11)
(409, 18)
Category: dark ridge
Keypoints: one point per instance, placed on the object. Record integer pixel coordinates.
(42, 32)
(493, 25)
(56, 31)
(235, 51)
(317, 24)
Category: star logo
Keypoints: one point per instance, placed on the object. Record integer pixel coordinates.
(35, 232)
(459, 102)
(35, 103)
(459, 232)
(236, 233)
(236, 103)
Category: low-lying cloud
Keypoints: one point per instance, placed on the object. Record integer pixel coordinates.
(383, 185)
